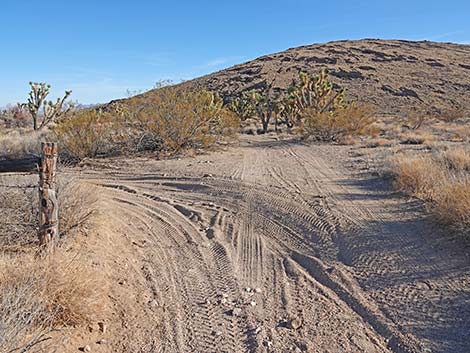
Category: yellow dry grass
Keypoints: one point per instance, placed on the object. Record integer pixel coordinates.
(442, 181)
(40, 294)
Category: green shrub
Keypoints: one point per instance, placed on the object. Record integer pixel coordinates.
(172, 120)
(332, 125)
(85, 134)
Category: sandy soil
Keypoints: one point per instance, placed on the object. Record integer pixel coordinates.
(274, 246)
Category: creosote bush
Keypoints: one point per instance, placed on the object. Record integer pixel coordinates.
(85, 134)
(349, 120)
(170, 121)
(177, 119)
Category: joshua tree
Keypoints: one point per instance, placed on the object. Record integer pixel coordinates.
(243, 106)
(40, 108)
(316, 93)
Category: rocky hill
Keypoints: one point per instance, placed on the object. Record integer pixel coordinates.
(392, 75)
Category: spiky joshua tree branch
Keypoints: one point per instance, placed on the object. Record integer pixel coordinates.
(43, 111)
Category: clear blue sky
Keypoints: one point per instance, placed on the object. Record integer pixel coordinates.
(100, 48)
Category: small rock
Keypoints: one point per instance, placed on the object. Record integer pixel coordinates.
(236, 312)
(248, 289)
(85, 348)
(208, 301)
(216, 333)
(207, 175)
(294, 324)
(102, 327)
(102, 341)
(253, 303)
(267, 343)
(258, 290)
(153, 303)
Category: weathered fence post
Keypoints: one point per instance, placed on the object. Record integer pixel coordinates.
(48, 203)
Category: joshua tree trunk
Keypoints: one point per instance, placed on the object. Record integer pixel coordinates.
(35, 121)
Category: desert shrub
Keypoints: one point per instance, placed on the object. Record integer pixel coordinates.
(18, 144)
(171, 120)
(39, 295)
(461, 133)
(332, 125)
(177, 119)
(14, 116)
(442, 180)
(85, 134)
(452, 205)
(416, 117)
(417, 176)
(78, 204)
(451, 115)
(416, 138)
(457, 159)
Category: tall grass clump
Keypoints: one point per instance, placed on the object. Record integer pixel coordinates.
(442, 180)
(42, 294)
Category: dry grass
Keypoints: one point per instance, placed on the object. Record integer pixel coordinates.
(77, 206)
(39, 295)
(417, 176)
(416, 138)
(461, 133)
(19, 144)
(452, 205)
(442, 181)
(451, 114)
(457, 159)
(378, 142)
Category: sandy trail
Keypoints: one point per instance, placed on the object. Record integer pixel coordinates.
(355, 264)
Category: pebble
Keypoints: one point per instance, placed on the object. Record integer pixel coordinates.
(294, 324)
(267, 343)
(253, 303)
(216, 333)
(248, 289)
(102, 327)
(102, 341)
(258, 290)
(208, 302)
(85, 349)
(153, 303)
(236, 312)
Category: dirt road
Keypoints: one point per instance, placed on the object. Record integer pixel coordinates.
(275, 247)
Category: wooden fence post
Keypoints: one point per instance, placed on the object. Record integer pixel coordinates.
(48, 203)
